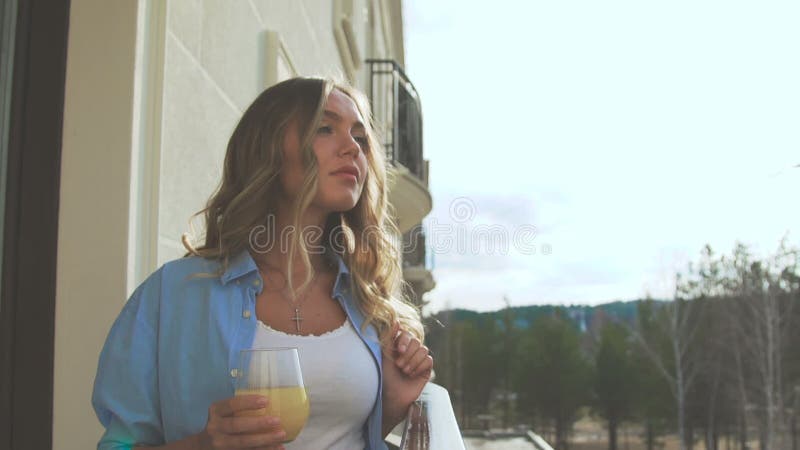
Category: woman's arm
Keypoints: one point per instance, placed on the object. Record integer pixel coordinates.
(126, 395)
(406, 369)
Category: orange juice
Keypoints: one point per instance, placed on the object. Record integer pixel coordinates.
(288, 403)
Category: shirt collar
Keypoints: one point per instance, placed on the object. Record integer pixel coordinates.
(342, 283)
(243, 264)
(239, 266)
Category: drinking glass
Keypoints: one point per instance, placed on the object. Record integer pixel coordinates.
(275, 374)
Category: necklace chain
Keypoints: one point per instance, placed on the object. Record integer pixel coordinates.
(295, 304)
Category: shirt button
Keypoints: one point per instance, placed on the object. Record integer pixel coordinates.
(246, 314)
(234, 373)
(256, 282)
(238, 282)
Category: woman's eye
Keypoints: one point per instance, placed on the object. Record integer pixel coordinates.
(325, 129)
(362, 140)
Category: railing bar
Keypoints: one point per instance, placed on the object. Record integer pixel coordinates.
(396, 67)
(395, 116)
(387, 101)
(372, 90)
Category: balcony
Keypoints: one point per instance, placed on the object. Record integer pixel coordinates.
(398, 115)
(417, 263)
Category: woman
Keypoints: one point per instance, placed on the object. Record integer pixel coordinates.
(298, 252)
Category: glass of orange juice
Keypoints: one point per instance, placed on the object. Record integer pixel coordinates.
(275, 374)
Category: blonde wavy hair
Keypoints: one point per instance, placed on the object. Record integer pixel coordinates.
(250, 185)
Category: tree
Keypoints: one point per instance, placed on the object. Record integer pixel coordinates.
(665, 336)
(766, 294)
(653, 402)
(613, 371)
(466, 362)
(505, 357)
(552, 376)
(480, 368)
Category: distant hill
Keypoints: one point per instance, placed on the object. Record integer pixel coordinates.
(584, 317)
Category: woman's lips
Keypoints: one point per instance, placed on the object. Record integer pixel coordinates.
(347, 175)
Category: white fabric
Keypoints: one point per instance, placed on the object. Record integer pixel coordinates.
(341, 380)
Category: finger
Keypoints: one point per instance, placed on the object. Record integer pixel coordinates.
(425, 368)
(239, 425)
(403, 342)
(396, 329)
(249, 441)
(415, 359)
(271, 447)
(230, 406)
(411, 348)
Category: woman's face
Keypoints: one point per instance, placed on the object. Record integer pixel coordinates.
(339, 145)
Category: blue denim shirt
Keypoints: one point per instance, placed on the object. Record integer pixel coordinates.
(173, 351)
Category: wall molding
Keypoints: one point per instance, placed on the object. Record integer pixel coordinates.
(275, 50)
(344, 35)
(146, 141)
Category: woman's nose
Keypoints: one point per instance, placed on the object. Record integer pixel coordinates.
(350, 145)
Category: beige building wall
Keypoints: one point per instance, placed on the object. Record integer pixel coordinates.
(94, 209)
(219, 55)
(153, 90)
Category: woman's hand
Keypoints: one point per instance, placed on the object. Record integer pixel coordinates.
(225, 431)
(407, 366)
(414, 359)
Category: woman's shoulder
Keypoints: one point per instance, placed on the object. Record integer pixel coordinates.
(183, 272)
(190, 272)
(191, 265)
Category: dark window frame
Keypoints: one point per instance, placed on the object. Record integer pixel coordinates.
(30, 234)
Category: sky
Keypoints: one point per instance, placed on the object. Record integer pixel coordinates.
(605, 142)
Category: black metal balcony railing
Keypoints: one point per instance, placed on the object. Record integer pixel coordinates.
(397, 109)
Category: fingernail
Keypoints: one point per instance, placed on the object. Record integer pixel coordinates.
(263, 401)
(402, 348)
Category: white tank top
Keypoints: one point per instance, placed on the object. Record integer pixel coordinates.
(341, 381)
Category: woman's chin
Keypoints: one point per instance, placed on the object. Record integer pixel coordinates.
(342, 204)
(344, 208)
(337, 207)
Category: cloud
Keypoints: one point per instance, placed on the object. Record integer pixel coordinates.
(484, 290)
(488, 232)
(508, 209)
(616, 161)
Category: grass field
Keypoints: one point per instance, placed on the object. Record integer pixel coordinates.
(590, 434)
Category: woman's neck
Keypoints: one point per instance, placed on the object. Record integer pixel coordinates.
(312, 226)
(276, 261)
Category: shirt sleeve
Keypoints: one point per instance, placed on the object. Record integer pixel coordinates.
(126, 392)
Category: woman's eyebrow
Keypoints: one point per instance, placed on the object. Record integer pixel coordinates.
(336, 117)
